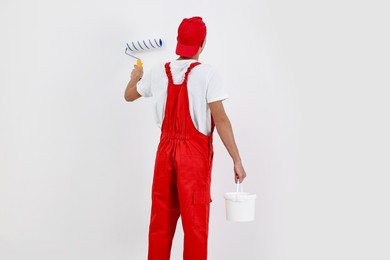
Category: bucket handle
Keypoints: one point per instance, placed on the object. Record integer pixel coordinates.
(239, 187)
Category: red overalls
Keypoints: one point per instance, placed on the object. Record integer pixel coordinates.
(182, 176)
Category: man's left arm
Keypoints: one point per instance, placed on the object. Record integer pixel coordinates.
(131, 92)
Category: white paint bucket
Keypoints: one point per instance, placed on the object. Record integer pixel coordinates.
(240, 205)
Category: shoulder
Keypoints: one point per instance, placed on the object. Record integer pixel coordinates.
(156, 70)
(207, 70)
(210, 72)
(206, 67)
(158, 67)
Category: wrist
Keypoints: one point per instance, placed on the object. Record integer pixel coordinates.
(237, 160)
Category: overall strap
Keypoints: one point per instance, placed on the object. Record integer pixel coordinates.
(168, 72)
(189, 70)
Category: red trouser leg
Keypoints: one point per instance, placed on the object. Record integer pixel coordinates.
(193, 175)
(165, 209)
(181, 185)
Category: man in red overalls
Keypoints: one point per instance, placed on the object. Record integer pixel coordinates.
(188, 98)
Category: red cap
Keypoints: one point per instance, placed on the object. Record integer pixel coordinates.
(190, 35)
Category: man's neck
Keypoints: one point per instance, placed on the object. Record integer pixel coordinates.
(196, 57)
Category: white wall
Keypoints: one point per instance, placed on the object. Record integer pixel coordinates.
(309, 105)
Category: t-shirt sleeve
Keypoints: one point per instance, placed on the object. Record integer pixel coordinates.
(215, 87)
(144, 86)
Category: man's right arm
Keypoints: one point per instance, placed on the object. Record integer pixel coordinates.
(225, 132)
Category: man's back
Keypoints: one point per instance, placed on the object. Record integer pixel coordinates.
(204, 86)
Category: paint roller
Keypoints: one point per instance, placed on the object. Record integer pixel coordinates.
(142, 45)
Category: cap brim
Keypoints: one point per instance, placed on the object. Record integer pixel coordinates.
(186, 51)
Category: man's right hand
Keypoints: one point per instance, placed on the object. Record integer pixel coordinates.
(239, 172)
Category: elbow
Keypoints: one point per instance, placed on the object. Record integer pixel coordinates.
(222, 125)
(131, 95)
(128, 99)
(222, 122)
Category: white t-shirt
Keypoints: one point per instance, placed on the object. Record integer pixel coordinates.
(204, 86)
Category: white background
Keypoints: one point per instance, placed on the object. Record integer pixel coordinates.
(309, 86)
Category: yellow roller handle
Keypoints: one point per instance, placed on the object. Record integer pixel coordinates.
(139, 63)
